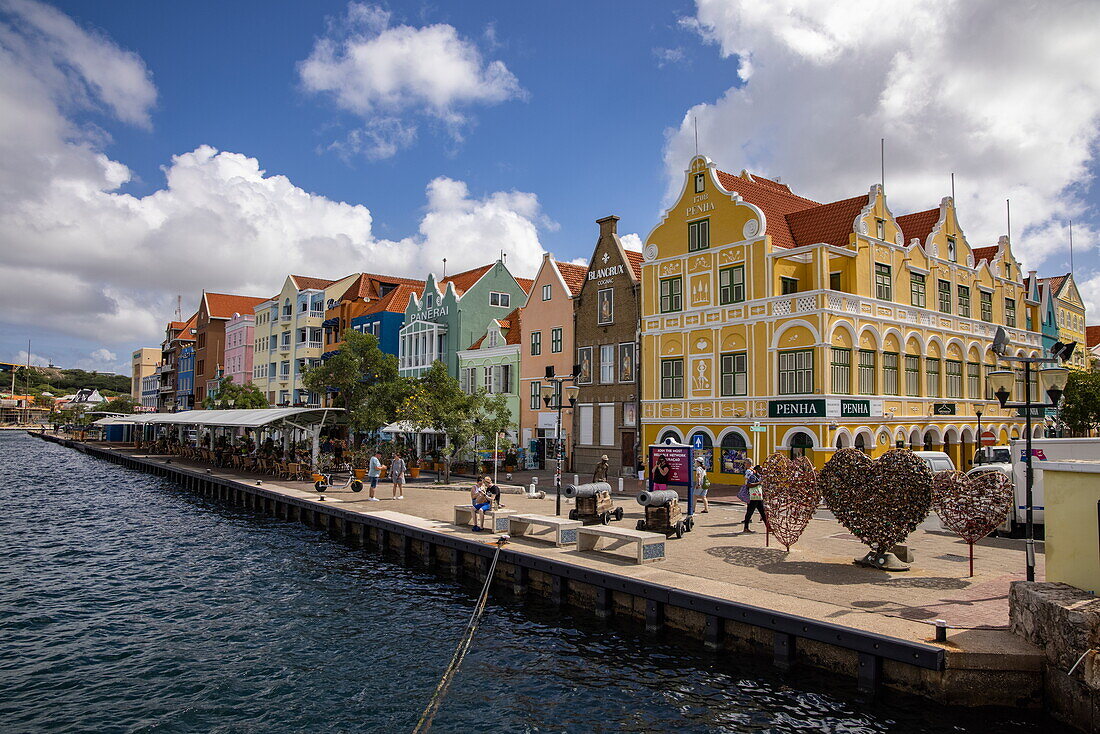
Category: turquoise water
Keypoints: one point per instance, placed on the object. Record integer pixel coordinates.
(129, 605)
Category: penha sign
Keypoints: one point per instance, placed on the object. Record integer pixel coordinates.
(824, 408)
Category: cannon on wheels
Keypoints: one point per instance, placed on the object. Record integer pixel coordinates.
(594, 503)
(663, 514)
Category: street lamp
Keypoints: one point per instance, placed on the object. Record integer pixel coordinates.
(551, 393)
(978, 453)
(1052, 381)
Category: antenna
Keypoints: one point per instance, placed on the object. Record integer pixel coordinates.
(1008, 218)
(952, 187)
(1071, 245)
(179, 308)
(882, 162)
(444, 267)
(695, 118)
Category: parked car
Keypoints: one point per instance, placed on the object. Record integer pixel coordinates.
(937, 461)
(993, 455)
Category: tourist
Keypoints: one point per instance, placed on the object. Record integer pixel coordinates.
(338, 450)
(754, 482)
(661, 474)
(702, 483)
(493, 491)
(480, 499)
(374, 471)
(397, 476)
(600, 472)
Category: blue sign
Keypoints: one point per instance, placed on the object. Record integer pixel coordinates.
(697, 441)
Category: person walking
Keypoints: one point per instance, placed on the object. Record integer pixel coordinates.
(397, 476)
(374, 471)
(754, 481)
(599, 474)
(702, 483)
(481, 501)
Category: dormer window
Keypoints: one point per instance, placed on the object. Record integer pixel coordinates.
(952, 250)
(880, 228)
(494, 338)
(700, 183)
(429, 300)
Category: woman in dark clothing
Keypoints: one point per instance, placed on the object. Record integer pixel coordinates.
(661, 474)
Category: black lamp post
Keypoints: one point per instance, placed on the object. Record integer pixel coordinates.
(1052, 380)
(978, 453)
(551, 398)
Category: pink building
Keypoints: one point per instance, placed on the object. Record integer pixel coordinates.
(238, 348)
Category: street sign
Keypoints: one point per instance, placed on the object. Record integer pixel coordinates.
(697, 441)
(988, 438)
(943, 408)
(757, 428)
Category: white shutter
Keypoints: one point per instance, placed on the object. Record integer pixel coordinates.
(607, 425)
(584, 432)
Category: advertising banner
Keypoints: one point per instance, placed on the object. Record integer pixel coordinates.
(670, 465)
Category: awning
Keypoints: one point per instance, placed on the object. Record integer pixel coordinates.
(406, 427)
(250, 418)
(329, 323)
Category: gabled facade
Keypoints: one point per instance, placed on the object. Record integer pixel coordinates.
(215, 310)
(1069, 310)
(492, 363)
(450, 314)
(177, 334)
(605, 328)
(372, 304)
(547, 341)
(825, 325)
(289, 337)
(240, 332)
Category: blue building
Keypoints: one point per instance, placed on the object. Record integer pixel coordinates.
(185, 379)
(373, 304)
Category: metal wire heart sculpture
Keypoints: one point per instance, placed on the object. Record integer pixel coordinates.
(791, 495)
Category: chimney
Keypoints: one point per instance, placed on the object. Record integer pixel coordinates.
(608, 225)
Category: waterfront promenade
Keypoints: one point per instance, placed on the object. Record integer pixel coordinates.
(816, 580)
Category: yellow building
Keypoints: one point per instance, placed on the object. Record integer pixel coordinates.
(772, 322)
(1069, 310)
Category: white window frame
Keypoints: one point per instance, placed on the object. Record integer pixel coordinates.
(607, 364)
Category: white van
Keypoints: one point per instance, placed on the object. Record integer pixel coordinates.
(1042, 450)
(937, 461)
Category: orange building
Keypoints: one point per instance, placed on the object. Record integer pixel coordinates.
(215, 309)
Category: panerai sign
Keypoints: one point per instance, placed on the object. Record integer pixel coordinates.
(824, 408)
(431, 314)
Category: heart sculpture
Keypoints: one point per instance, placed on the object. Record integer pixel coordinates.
(971, 507)
(791, 495)
(880, 502)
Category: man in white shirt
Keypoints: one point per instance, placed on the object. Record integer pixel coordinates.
(374, 471)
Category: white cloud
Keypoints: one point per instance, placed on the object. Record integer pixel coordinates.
(1005, 94)
(35, 360)
(381, 71)
(103, 355)
(79, 258)
(631, 242)
(666, 56)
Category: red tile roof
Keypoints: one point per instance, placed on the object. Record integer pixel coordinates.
(465, 280)
(368, 286)
(829, 223)
(635, 260)
(510, 325)
(224, 305)
(185, 330)
(918, 225)
(396, 301)
(774, 199)
(525, 284)
(1056, 283)
(304, 282)
(1092, 336)
(985, 253)
(573, 275)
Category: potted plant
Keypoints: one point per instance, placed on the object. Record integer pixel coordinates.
(414, 466)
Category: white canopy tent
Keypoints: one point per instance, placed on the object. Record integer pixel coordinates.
(309, 420)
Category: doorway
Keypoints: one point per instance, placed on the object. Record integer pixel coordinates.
(626, 453)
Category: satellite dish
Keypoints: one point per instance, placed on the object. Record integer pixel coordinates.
(1000, 342)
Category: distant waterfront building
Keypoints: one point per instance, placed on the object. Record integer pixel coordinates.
(289, 337)
(827, 325)
(185, 378)
(450, 314)
(150, 389)
(492, 363)
(547, 341)
(143, 362)
(177, 334)
(605, 420)
(239, 334)
(215, 309)
(372, 304)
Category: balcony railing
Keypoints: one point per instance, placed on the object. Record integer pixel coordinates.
(315, 345)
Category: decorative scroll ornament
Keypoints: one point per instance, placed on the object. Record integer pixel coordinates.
(880, 502)
(791, 495)
(971, 507)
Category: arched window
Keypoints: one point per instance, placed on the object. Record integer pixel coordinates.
(861, 442)
(706, 452)
(801, 442)
(669, 435)
(735, 454)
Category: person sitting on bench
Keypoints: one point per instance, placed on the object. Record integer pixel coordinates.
(493, 490)
(482, 501)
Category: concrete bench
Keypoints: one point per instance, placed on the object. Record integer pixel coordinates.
(648, 546)
(563, 532)
(495, 520)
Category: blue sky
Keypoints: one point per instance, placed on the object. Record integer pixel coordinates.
(155, 149)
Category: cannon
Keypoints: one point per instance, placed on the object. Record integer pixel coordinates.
(593, 503)
(663, 514)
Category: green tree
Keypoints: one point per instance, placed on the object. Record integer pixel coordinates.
(1080, 407)
(232, 395)
(124, 405)
(363, 380)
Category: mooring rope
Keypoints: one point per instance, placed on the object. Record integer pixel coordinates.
(436, 701)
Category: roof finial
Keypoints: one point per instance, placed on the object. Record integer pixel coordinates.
(882, 163)
(1071, 245)
(952, 187)
(695, 118)
(444, 267)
